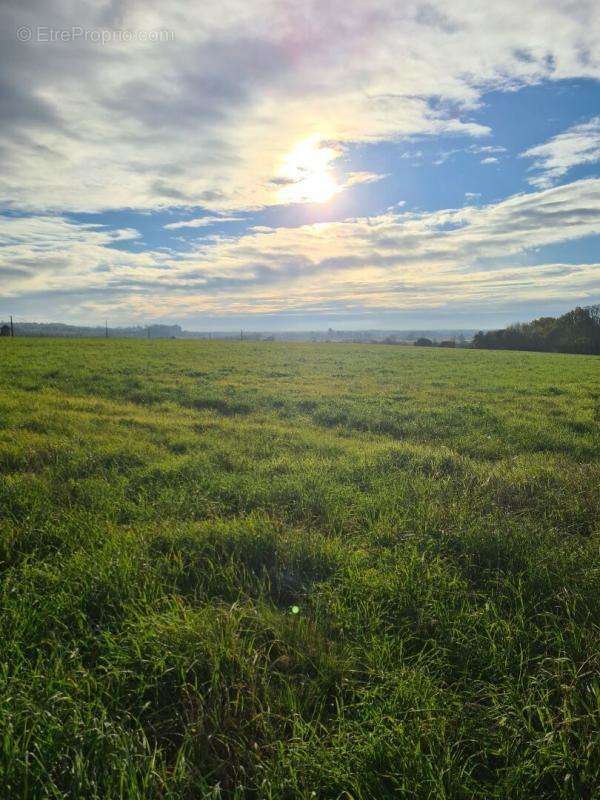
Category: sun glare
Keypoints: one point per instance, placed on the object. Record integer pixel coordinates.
(306, 175)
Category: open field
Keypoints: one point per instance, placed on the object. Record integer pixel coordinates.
(432, 516)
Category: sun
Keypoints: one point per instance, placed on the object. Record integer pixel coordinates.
(306, 175)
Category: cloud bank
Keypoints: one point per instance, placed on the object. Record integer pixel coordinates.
(473, 255)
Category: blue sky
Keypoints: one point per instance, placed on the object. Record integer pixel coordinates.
(360, 166)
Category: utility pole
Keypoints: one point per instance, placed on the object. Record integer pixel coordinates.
(12, 328)
(106, 328)
(241, 336)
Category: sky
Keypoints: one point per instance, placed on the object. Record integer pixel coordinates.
(299, 165)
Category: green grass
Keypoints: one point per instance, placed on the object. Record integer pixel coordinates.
(432, 516)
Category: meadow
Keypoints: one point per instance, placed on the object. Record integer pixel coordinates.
(269, 570)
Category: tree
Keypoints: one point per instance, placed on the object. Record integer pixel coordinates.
(577, 331)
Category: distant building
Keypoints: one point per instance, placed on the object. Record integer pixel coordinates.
(5, 330)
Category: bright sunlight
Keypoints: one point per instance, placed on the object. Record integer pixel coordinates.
(306, 175)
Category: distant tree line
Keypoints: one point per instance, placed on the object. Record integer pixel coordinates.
(54, 329)
(578, 331)
(423, 341)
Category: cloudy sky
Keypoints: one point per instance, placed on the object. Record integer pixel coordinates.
(274, 164)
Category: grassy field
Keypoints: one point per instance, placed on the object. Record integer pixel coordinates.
(238, 570)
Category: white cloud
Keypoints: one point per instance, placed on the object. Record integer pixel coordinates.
(354, 178)
(402, 260)
(579, 144)
(488, 148)
(206, 119)
(201, 222)
(489, 160)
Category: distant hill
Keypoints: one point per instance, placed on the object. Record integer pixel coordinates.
(176, 331)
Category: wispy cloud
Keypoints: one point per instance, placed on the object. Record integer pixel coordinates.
(202, 222)
(486, 149)
(580, 144)
(354, 178)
